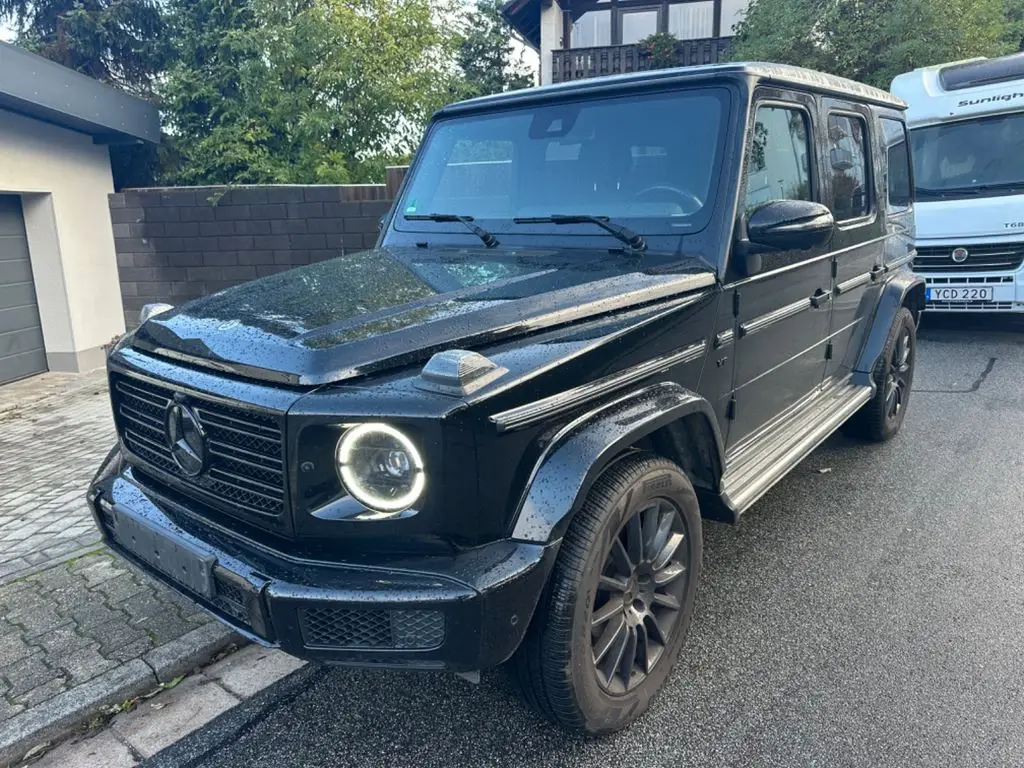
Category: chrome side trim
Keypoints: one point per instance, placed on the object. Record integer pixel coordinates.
(778, 315)
(900, 261)
(748, 477)
(524, 415)
(724, 338)
(796, 265)
(854, 282)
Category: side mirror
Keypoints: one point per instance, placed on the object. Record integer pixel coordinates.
(790, 225)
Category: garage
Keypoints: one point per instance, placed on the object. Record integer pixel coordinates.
(60, 300)
(22, 352)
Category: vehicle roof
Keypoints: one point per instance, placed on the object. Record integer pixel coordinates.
(962, 89)
(779, 74)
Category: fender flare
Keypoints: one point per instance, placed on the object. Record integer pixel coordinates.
(904, 288)
(582, 449)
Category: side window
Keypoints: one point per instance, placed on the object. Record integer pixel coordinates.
(778, 167)
(897, 148)
(848, 162)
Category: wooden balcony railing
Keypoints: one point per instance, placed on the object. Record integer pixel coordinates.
(580, 63)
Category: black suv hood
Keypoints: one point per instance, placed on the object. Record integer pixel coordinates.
(377, 309)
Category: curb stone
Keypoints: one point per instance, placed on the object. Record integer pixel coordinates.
(192, 649)
(65, 713)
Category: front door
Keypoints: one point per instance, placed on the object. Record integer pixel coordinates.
(782, 311)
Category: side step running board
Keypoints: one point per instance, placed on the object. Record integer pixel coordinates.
(760, 461)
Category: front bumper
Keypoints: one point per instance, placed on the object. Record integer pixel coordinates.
(462, 612)
(1007, 290)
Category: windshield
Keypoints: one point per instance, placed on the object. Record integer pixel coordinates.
(969, 158)
(646, 161)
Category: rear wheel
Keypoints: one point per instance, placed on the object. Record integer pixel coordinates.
(882, 416)
(618, 606)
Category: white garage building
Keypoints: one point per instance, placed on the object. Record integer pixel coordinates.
(59, 295)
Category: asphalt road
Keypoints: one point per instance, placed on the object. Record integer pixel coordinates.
(869, 611)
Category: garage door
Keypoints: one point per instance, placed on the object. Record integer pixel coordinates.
(21, 338)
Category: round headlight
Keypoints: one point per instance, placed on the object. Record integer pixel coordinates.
(380, 467)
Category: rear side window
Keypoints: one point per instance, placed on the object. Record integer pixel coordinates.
(848, 162)
(897, 148)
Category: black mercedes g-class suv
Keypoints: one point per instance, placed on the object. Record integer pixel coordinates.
(596, 314)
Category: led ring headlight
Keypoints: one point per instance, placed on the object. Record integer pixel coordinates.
(380, 467)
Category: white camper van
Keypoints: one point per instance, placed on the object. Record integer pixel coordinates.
(966, 123)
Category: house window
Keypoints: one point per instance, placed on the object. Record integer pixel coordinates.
(692, 21)
(591, 29)
(733, 12)
(637, 23)
(594, 23)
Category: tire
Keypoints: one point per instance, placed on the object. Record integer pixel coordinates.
(882, 416)
(557, 665)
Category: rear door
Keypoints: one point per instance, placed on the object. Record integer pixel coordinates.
(851, 185)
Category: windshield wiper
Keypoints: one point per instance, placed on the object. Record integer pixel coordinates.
(633, 240)
(489, 240)
(968, 189)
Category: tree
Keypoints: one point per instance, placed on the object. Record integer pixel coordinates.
(872, 41)
(486, 53)
(301, 91)
(118, 42)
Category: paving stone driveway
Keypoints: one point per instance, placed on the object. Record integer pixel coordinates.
(70, 623)
(54, 431)
(71, 613)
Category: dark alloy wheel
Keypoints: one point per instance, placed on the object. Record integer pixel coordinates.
(897, 380)
(882, 416)
(639, 596)
(617, 607)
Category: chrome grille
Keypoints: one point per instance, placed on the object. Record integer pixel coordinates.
(246, 449)
(971, 306)
(997, 257)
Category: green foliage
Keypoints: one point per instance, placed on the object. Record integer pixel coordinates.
(301, 91)
(115, 41)
(661, 49)
(875, 41)
(486, 54)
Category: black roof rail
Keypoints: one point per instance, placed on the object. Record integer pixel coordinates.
(984, 72)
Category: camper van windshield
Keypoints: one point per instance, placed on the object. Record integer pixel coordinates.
(969, 158)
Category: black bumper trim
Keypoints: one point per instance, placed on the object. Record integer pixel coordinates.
(462, 612)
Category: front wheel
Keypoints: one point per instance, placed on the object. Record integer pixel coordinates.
(617, 609)
(882, 416)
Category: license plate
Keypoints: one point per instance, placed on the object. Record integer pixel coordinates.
(961, 293)
(177, 559)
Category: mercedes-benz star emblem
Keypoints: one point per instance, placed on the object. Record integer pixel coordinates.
(960, 255)
(186, 439)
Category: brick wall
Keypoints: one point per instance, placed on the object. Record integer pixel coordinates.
(177, 244)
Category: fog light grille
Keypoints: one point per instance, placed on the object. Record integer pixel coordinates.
(373, 629)
(231, 599)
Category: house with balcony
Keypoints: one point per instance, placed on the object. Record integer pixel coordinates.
(588, 38)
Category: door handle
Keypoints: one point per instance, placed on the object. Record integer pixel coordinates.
(820, 298)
